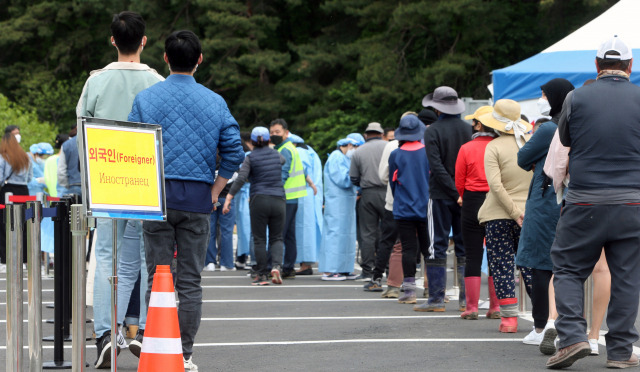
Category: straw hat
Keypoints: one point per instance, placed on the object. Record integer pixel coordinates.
(479, 112)
(505, 117)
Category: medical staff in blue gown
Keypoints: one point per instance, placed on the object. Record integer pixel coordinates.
(309, 216)
(338, 247)
(41, 151)
(243, 217)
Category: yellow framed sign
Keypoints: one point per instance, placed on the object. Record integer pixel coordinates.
(122, 169)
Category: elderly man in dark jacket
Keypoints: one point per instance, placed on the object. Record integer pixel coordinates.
(443, 140)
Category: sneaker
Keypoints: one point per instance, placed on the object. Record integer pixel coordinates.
(136, 345)
(374, 285)
(620, 364)
(333, 277)
(566, 356)
(103, 345)
(224, 268)
(242, 266)
(533, 338)
(430, 308)
(288, 274)
(363, 278)
(307, 271)
(548, 345)
(350, 276)
(188, 365)
(275, 276)
(260, 280)
(210, 267)
(3, 268)
(391, 292)
(122, 343)
(594, 346)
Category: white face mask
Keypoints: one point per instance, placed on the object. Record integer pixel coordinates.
(544, 107)
(18, 137)
(350, 153)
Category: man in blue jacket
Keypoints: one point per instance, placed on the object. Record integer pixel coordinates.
(196, 123)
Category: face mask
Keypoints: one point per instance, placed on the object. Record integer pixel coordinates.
(544, 107)
(18, 138)
(39, 160)
(350, 153)
(276, 140)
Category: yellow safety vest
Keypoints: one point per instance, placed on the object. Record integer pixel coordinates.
(296, 185)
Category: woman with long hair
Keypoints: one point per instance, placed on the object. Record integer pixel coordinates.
(16, 172)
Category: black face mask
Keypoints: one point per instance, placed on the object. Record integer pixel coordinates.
(276, 140)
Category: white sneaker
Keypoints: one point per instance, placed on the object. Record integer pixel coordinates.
(122, 343)
(210, 267)
(188, 364)
(594, 346)
(533, 338)
(224, 268)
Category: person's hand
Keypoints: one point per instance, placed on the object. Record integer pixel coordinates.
(520, 219)
(460, 201)
(315, 189)
(226, 207)
(40, 179)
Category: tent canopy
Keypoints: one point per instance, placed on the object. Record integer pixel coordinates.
(573, 57)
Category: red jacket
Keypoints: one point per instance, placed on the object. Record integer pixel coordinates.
(470, 166)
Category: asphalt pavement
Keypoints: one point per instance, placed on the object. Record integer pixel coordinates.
(311, 325)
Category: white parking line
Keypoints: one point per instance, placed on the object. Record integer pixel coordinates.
(391, 317)
(282, 286)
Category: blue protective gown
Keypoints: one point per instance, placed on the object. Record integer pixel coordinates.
(243, 219)
(46, 226)
(38, 171)
(309, 215)
(338, 247)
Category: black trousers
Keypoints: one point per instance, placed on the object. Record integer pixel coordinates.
(472, 233)
(16, 190)
(443, 217)
(388, 238)
(581, 233)
(370, 213)
(413, 236)
(289, 235)
(267, 211)
(540, 296)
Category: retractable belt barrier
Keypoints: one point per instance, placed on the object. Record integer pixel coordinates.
(24, 211)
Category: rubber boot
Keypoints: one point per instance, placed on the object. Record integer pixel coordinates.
(462, 299)
(436, 276)
(509, 311)
(494, 306)
(409, 296)
(472, 284)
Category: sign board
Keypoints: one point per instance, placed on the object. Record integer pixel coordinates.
(122, 169)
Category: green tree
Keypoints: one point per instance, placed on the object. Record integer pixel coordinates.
(32, 130)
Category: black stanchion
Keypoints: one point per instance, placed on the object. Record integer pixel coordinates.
(58, 335)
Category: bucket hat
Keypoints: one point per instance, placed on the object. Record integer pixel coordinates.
(410, 129)
(479, 112)
(444, 99)
(506, 119)
(374, 127)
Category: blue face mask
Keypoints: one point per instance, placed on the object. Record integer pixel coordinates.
(39, 160)
(350, 153)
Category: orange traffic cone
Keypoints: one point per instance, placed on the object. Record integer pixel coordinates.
(161, 345)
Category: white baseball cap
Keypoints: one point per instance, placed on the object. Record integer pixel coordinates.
(614, 45)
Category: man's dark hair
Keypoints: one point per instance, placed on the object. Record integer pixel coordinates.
(281, 122)
(183, 49)
(60, 139)
(388, 129)
(245, 137)
(539, 122)
(127, 29)
(612, 64)
(10, 128)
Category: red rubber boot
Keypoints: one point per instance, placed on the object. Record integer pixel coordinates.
(494, 306)
(472, 294)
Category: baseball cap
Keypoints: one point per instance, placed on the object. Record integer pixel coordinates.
(614, 44)
(260, 132)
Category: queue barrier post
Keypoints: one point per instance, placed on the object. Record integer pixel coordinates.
(14, 222)
(78, 263)
(34, 280)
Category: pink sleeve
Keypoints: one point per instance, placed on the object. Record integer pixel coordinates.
(557, 164)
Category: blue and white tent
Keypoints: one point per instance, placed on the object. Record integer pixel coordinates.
(572, 58)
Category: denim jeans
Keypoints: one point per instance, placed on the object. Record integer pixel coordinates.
(226, 222)
(130, 261)
(101, 284)
(190, 231)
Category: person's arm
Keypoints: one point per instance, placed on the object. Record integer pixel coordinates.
(557, 163)
(135, 115)
(229, 144)
(461, 171)
(354, 170)
(438, 171)
(312, 185)
(383, 168)
(537, 147)
(62, 170)
(286, 166)
(494, 179)
(243, 176)
(84, 107)
(563, 123)
(338, 171)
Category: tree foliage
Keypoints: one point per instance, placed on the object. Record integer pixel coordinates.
(32, 130)
(327, 66)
